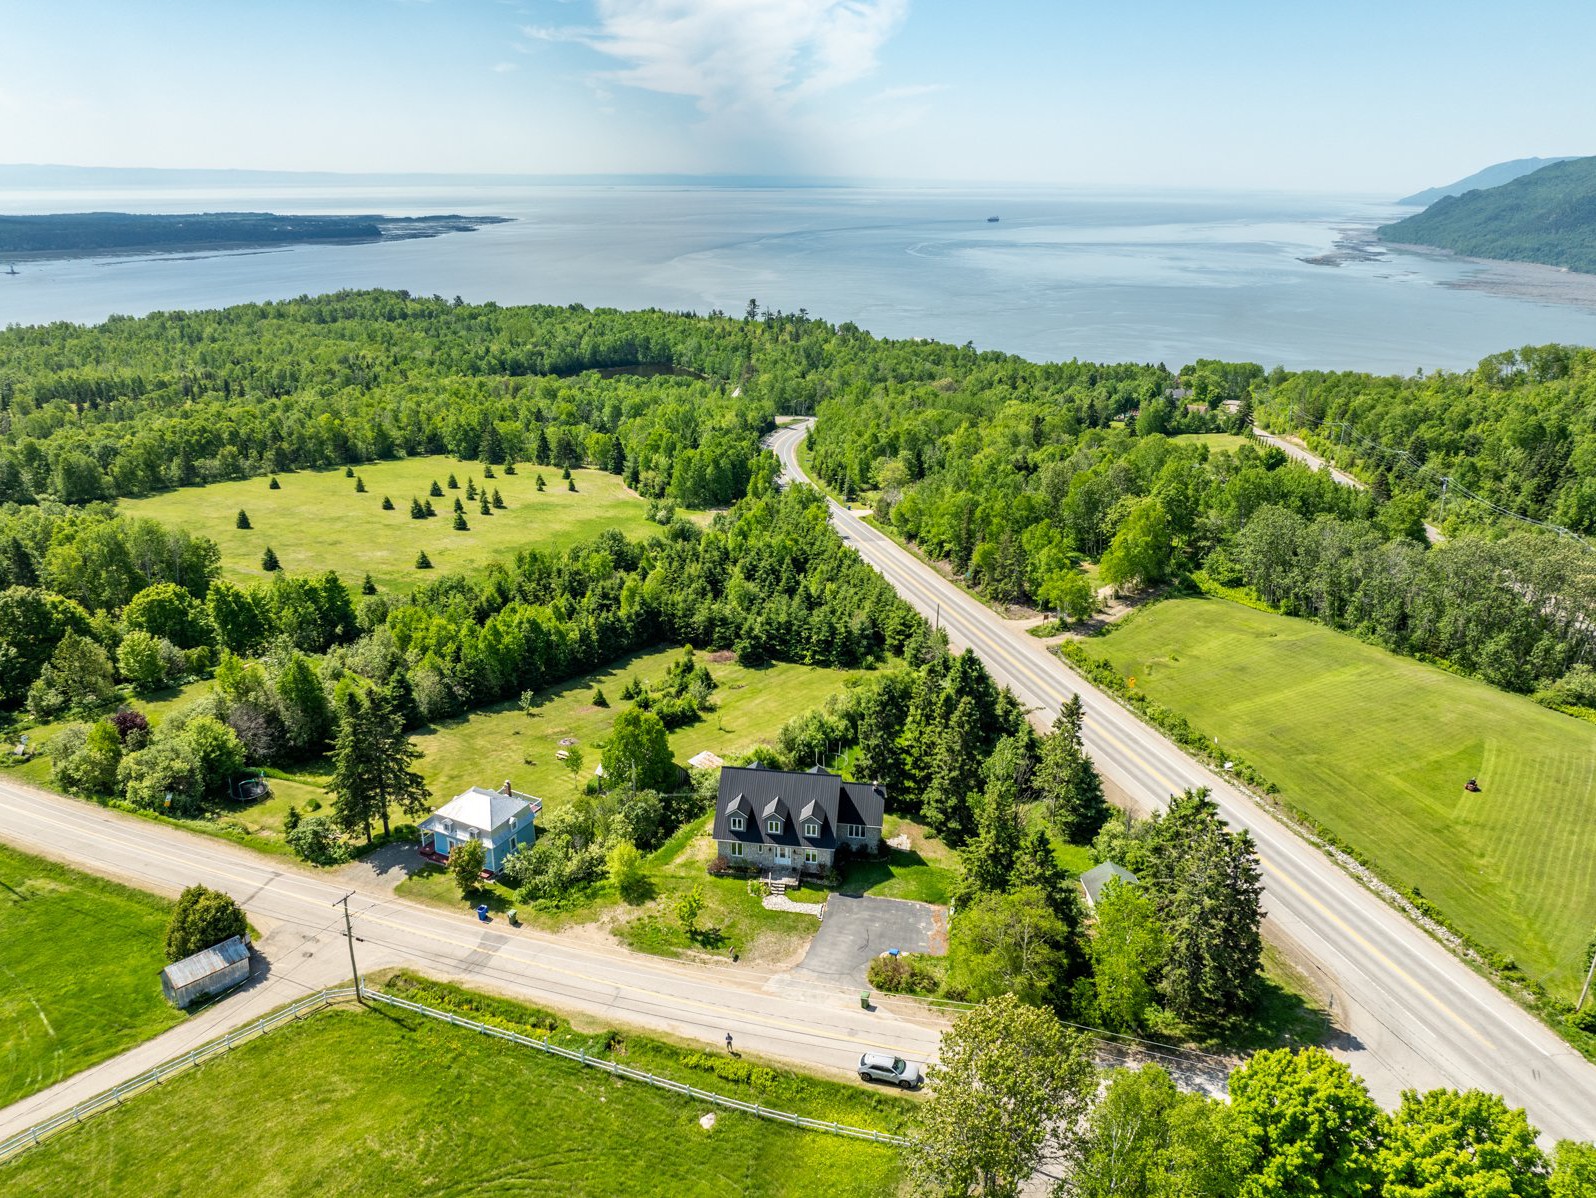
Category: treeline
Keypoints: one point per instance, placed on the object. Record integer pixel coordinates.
(1519, 430)
(1019, 490)
(1015, 1096)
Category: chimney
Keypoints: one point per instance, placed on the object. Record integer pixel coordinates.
(507, 789)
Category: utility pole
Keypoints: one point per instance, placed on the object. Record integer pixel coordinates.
(349, 934)
(1585, 989)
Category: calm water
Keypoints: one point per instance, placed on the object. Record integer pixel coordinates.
(1081, 274)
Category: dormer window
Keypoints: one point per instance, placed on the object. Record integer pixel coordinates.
(738, 823)
(811, 829)
(448, 825)
(773, 825)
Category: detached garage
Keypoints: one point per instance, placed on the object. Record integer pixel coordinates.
(207, 972)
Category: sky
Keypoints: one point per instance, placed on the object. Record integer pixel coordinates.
(1352, 98)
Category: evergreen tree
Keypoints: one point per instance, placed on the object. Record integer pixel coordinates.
(1066, 780)
(435, 491)
(990, 857)
(453, 483)
(458, 506)
(487, 472)
(360, 485)
(565, 472)
(490, 447)
(423, 562)
(498, 500)
(509, 467)
(356, 781)
(471, 488)
(540, 446)
(274, 485)
(954, 775)
(486, 508)
(367, 587)
(417, 512)
(1037, 866)
(269, 562)
(349, 472)
(397, 784)
(387, 504)
(428, 509)
(570, 484)
(243, 519)
(540, 483)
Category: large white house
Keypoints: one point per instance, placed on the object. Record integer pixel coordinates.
(503, 820)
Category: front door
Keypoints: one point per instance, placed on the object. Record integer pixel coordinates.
(783, 855)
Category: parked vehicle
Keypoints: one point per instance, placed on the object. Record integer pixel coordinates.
(884, 1067)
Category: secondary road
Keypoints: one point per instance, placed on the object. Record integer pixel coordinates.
(1293, 448)
(768, 1014)
(1411, 1015)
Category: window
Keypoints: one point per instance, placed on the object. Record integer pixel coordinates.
(853, 831)
(811, 828)
(736, 849)
(773, 826)
(738, 823)
(811, 856)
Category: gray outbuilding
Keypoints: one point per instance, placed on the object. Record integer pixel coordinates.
(209, 971)
(1099, 876)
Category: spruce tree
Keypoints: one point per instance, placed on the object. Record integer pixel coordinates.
(540, 483)
(487, 472)
(268, 561)
(423, 562)
(471, 488)
(387, 504)
(397, 784)
(509, 467)
(428, 509)
(565, 472)
(417, 512)
(367, 587)
(486, 508)
(355, 778)
(460, 522)
(360, 485)
(458, 506)
(435, 490)
(498, 500)
(243, 519)
(274, 485)
(349, 472)
(1066, 780)
(490, 446)
(570, 484)
(990, 858)
(454, 483)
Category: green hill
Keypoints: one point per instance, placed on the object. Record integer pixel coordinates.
(1491, 176)
(1548, 216)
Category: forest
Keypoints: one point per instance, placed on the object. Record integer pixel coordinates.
(79, 233)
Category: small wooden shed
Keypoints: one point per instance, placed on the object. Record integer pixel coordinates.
(209, 971)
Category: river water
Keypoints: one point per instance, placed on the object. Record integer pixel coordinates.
(1083, 274)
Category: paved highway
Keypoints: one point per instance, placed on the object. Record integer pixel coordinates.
(769, 1014)
(1411, 1015)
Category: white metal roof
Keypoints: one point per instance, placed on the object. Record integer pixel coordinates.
(206, 962)
(483, 810)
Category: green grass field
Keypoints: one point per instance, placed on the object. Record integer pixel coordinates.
(1214, 441)
(79, 959)
(383, 1102)
(317, 521)
(1377, 748)
(488, 746)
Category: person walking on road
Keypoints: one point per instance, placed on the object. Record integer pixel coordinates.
(729, 1051)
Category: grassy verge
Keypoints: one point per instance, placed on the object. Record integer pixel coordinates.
(78, 963)
(404, 1104)
(1375, 748)
(316, 521)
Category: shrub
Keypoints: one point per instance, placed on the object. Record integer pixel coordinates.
(509, 468)
(139, 660)
(759, 1078)
(315, 839)
(360, 485)
(598, 697)
(540, 483)
(274, 485)
(242, 520)
(203, 918)
(903, 974)
(349, 472)
(132, 726)
(465, 865)
(570, 484)
(292, 819)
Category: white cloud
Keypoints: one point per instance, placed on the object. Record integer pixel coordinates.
(756, 57)
(504, 68)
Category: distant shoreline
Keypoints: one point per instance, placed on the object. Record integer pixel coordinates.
(67, 236)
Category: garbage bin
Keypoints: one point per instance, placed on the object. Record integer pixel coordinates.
(482, 912)
(864, 999)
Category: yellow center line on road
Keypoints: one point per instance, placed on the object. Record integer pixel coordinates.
(1378, 954)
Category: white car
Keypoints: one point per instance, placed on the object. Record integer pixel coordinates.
(884, 1067)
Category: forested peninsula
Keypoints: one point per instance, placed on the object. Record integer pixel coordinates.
(1548, 216)
(73, 234)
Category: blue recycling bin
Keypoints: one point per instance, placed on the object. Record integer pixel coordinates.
(482, 912)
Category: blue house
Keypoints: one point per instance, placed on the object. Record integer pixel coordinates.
(503, 820)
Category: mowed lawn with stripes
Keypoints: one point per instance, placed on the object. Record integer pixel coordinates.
(1378, 747)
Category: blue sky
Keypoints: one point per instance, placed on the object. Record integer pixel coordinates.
(1356, 97)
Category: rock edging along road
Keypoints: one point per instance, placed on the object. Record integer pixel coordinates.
(1411, 1014)
(303, 946)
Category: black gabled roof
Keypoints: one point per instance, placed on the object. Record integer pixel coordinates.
(815, 793)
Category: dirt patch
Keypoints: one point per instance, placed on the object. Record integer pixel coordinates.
(722, 657)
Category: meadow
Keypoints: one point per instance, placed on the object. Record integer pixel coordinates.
(376, 1102)
(79, 959)
(1377, 748)
(317, 521)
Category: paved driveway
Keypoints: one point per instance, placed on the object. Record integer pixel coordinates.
(858, 928)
